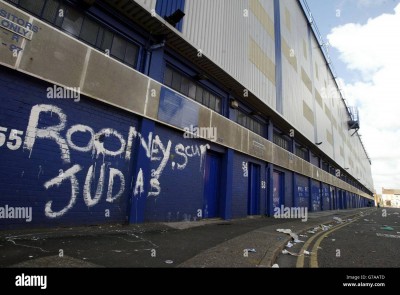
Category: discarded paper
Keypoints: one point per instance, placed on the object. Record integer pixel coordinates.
(338, 219)
(275, 266)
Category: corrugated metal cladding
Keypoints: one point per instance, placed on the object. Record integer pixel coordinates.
(239, 37)
(296, 72)
(308, 85)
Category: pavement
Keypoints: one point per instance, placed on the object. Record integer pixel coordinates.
(248, 242)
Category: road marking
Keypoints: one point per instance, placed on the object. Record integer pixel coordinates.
(300, 259)
(314, 258)
(388, 236)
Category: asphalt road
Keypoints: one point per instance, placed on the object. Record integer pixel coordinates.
(148, 245)
(371, 241)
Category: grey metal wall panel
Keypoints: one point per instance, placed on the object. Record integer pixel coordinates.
(224, 34)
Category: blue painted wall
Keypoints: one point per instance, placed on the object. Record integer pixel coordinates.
(288, 186)
(43, 175)
(302, 191)
(326, 198)
(315, 196)
(181, 181)
(240, 185)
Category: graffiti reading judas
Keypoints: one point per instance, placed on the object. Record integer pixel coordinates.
(155, 150)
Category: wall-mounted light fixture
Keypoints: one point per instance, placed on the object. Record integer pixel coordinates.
(200, 77)
(234, 104)
(175, 17)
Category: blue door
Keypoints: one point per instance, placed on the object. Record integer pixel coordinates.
(315, 196)
(340, 200)
(325, 198)
(211, 207)
(253, 204)
(278, 189)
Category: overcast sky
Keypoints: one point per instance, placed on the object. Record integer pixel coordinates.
(364, 38)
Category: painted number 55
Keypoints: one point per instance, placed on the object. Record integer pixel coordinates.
(14, 140)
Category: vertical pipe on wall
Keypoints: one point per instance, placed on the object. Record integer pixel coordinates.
(157, 64)
(278, 57)
(270, 175)
(227, 179)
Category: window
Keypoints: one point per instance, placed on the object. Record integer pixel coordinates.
(165, 8)
(118, 47)
(189, 88)
(248, 122)
(89, 31)
(301, 152)
(33, 6)
(82, 27)
(325, 166)
(72, 22)
(280, 141)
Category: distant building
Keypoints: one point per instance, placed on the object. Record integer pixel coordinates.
(378, 199)
(390, 198)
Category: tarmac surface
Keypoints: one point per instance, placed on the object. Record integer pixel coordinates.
(249, 242)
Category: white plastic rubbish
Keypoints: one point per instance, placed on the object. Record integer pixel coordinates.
(275, 266)
(338, 219)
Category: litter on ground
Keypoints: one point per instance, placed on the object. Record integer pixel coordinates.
(289, 232)
(284, 231)
(388, 228)
(275, 266)
(338, 219)
(291, 253)
(298, 241)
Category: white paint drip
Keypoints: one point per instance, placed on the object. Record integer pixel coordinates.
(203, 152)
(147, 145)
(139, 187)
(107, 132)
(131, 136)
(166, 153)
(89, 201)
(83, 129)
(180, 150)
(155, 184)
(115, 173)
(69, 174)
(53, 132)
